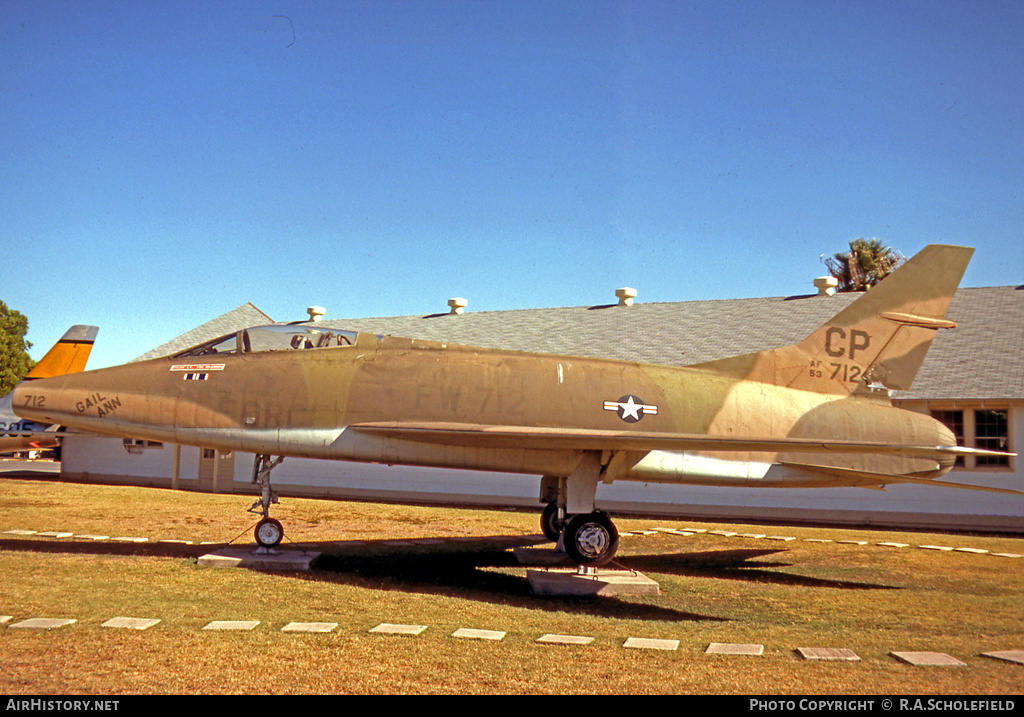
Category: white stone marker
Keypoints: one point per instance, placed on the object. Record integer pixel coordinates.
(478, 634)
(232, 625)
(131, 623)
(928, 658)
(645, 643)
(727, 648)
(550, 639)
(41, 623)
(1007, 655)
(828, 653)
(387, 628)
(309, 627)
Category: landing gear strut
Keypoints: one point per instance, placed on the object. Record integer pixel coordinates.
(589, 539)
(588, 536)
(269, 532)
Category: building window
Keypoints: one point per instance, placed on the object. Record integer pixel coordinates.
(992, 433)
(136, 445)
(984, 428)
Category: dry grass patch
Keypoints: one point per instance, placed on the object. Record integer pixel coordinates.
(868, 598)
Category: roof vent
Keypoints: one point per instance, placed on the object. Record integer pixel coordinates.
(458, 305)
(625, 296)
(826, 285)
(316, 312)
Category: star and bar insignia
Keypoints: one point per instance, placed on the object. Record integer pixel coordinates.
(631, 408)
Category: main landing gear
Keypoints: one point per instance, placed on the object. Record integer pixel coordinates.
(588, 536)
(269, 532)
(589, 539)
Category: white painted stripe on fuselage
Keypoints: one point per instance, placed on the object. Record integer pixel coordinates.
(669, 466)
(692, 469)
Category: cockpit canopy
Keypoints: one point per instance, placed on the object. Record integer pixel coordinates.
(272, 338)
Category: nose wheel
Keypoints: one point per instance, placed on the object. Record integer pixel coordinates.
(269, 533)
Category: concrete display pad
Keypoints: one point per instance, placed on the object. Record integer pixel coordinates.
(259, 560)
(603, 582)
(928, 658)
(540, 556)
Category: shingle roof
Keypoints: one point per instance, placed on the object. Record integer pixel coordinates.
(981, 359)
(676, 333)
(242, 317)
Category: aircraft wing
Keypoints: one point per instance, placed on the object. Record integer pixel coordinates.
(29, 441)
(588, 439)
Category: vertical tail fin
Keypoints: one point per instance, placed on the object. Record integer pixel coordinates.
(881, 338)
(68, 355)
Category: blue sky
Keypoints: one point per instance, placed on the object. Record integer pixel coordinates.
(166, 162)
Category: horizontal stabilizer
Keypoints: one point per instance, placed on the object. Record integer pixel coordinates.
(861, 479)
(943, 484)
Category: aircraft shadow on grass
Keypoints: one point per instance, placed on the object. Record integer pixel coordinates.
(481, 570)
(486, 569)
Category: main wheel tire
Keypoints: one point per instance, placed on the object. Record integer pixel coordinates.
(591, 539)
(550, 524)
(269, 533)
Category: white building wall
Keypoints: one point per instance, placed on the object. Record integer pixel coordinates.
(95, 456)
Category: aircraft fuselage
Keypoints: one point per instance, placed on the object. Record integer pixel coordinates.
(303, 402)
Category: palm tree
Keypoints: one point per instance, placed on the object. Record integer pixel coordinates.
(867, 263)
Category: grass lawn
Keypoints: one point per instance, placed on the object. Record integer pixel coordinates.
(869, 598)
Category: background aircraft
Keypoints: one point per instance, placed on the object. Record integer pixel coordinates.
(69, 355)
(813, 414)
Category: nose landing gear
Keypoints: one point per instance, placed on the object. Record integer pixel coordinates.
(269, 532)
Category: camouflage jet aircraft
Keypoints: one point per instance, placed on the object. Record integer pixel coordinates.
(814, 414)
(68, 355)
